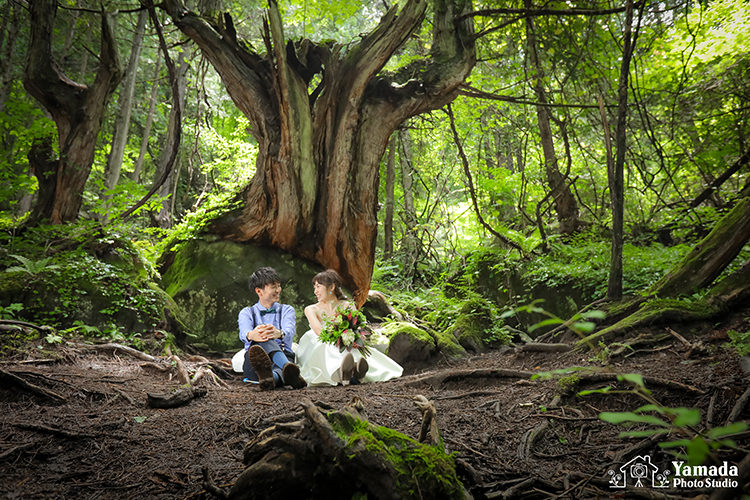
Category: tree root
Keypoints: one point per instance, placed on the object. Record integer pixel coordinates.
(438, 379)
(525, 449)
(429, 421)
(177, 398)
(594, 378)
(738, 407)
(539, 347)
(341, 455)
(28, 386)
(115, 349)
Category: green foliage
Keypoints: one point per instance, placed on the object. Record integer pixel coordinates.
(10, 311)
(92, 275)
(739, 342)
(194, 222)
(584, 264)
(580, 323)
(32, 268)
(681, 421)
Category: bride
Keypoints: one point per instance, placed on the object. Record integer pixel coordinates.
(322, 363)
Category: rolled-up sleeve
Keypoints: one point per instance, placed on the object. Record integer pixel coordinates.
(246, 323)
(288, 326)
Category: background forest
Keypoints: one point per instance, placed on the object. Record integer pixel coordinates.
(518, 174)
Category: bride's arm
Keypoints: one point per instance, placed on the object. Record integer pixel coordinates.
(312, 316)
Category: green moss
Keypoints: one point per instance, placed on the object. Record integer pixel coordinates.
(478, 324)
(448, 345)
(663, 310)
(423, 471)
(567, 384)
(398, 327)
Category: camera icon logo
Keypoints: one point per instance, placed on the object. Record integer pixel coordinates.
(641, 472)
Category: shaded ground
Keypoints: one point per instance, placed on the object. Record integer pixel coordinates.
(102, 441)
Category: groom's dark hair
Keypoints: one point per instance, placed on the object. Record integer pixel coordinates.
(263, 276)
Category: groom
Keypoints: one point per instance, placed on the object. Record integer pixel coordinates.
(267, 329)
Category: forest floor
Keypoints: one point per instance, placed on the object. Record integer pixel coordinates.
(95, 437)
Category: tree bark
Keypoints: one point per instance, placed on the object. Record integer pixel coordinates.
(138, 166)
(163, 218)
(314, 193)
(122, 123)
(77, 110)
(616, 176)
(710, 257)
(565, 203)
(390, 183)
(11, 18)
(409, 244)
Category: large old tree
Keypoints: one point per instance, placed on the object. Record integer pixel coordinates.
(315, 190)
(77, 109)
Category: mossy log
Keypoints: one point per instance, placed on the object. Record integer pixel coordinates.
(710, 257)
(340, 455)
(732, 290)
(699, 268)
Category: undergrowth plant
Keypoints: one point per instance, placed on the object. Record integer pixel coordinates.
(32, 267)
(739, 342)
(580, 323)
(682, 422)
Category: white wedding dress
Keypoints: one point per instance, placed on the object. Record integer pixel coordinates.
(319, 362)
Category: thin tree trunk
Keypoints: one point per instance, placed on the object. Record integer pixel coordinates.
(565, 203)
(616, 178)
(163, 218)
(71, 34)
(85, 59)
(138, 166)
(11, 21)
(409, 244)
(122, 123)
(390, 182)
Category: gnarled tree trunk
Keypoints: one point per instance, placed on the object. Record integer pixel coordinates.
(77, 110)
(314, 193)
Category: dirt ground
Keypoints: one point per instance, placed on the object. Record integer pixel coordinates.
(96, 438)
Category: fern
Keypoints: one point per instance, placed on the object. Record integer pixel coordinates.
(31, 267)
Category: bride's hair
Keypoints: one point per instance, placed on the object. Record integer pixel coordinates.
(330, 277)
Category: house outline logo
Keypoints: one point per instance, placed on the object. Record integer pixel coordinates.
(641, 472)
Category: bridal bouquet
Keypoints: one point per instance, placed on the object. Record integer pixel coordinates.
(347, 329)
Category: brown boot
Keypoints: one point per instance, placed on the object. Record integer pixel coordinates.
(262, 365)
(290, 374)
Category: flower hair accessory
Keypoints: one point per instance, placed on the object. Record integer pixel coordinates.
(347, 330)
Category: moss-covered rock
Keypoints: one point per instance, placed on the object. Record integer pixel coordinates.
(414, 348)
(208, 277)
(408, 345)
(448, 346)
(95, 280)
(478, 326)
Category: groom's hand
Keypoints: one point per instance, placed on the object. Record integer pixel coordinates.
(261, 333)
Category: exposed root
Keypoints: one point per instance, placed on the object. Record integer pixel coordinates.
(174, 399)
(738, 407)
(28, 386)
(438, 379)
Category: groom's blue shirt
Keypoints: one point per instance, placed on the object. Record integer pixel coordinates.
(283, 317)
